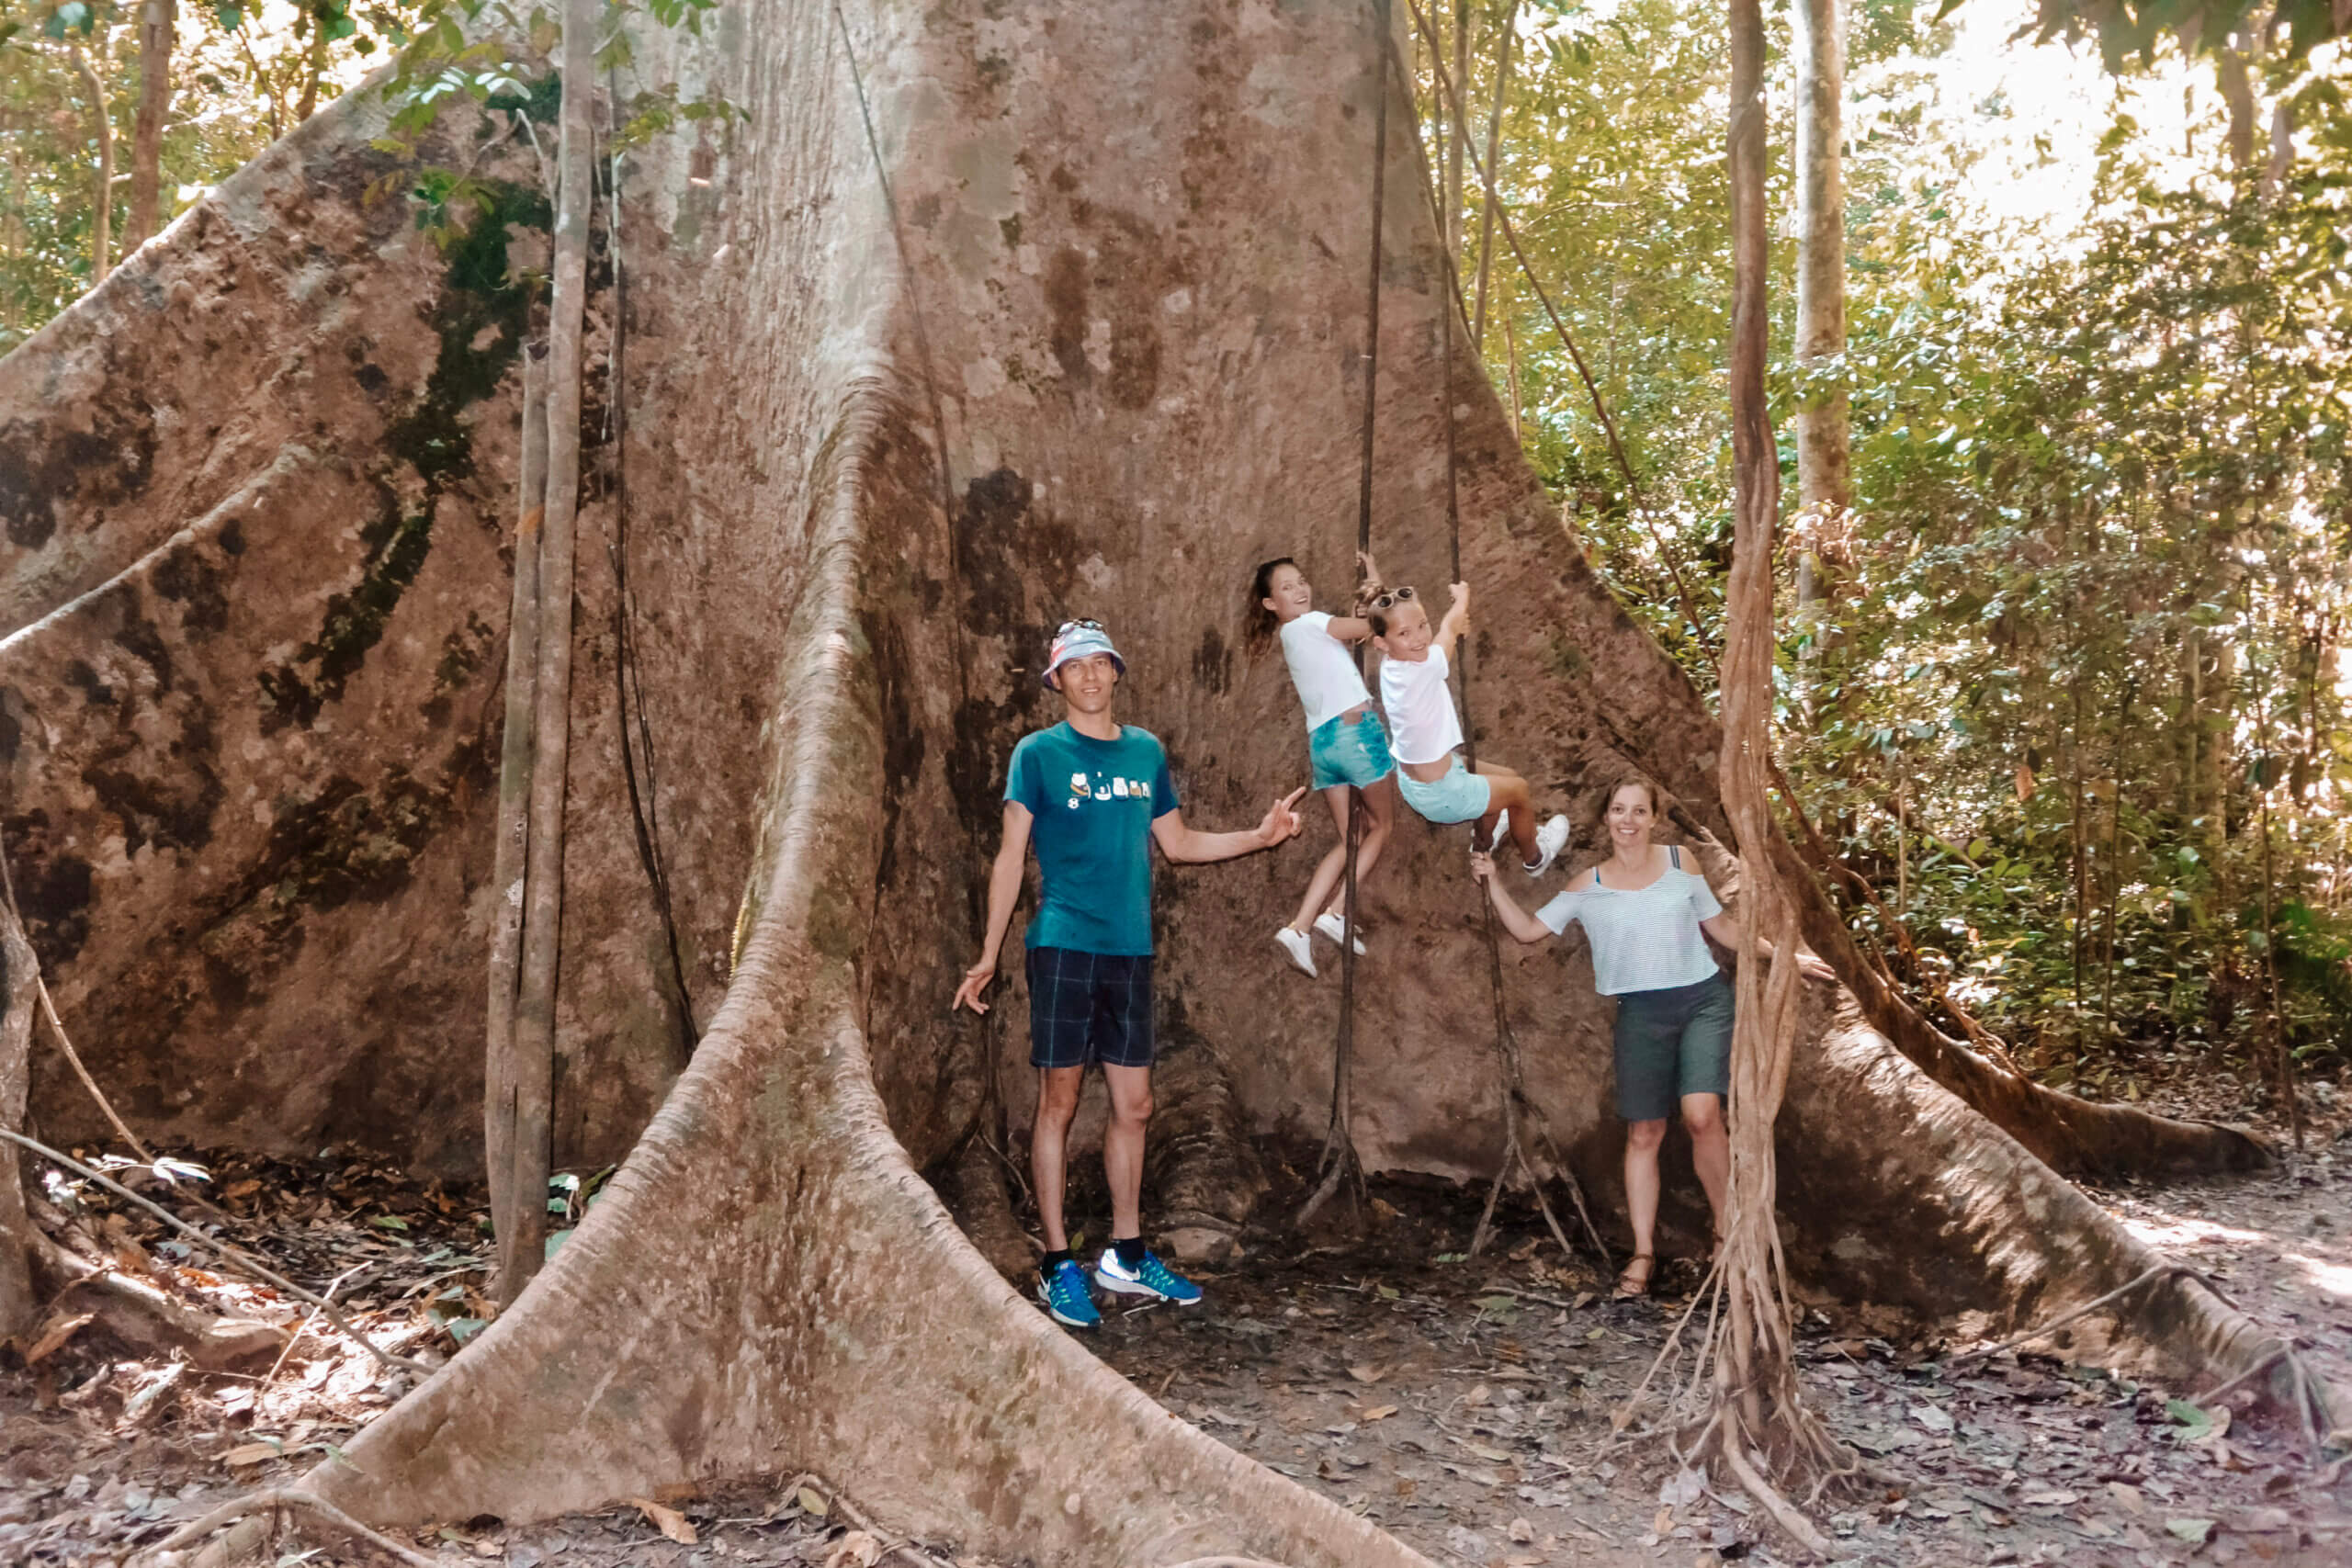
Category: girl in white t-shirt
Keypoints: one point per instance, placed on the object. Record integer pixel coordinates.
(1345, 740)
(1431, 774)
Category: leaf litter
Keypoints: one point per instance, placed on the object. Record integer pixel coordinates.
(1490, 1441)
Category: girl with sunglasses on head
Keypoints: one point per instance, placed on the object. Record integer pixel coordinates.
(1432, 777)
(1346, 743)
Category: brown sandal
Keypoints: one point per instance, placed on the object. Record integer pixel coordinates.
(1629, 1288)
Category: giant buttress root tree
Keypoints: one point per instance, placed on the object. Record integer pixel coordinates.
(1094, 349)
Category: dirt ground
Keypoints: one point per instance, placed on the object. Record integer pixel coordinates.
(1464, 1405)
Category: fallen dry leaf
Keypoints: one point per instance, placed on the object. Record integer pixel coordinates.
(813, 1502)
(1379, 1413)
(855, 1550)
(251, 1453)
(669, 1521)
(1522, 1532)
(56, 1335)
(1367, 1373)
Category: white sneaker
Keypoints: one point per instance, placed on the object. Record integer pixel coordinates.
(1550, 840)
(1330, 925)
(1298, 947)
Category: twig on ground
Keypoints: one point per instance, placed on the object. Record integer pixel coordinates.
(224, 1250)
(1784, 1513)
(286, 1499)
(308, 1324)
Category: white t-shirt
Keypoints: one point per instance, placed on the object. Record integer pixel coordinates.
(1422, 726)
(1647, 939)
(1320, 667)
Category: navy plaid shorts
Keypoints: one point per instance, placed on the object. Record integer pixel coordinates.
(1086, 1007)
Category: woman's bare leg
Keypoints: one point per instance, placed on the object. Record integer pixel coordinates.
(1642, 1140)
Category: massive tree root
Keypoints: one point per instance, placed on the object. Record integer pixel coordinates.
(1095, 358)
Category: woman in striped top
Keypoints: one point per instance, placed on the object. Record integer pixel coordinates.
(1643, 911)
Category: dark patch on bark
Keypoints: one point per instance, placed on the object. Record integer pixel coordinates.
(480, 301)
(52, 889)
(1135, 362)
(1213, 662)
(76, 468)
(172, 811)
(232, 537)
(1066, 304)
(185, 577)
(85, 680)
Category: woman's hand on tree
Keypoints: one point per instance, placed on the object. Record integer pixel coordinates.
(1813, 967)
(976, 979)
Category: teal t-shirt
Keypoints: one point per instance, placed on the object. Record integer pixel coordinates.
(1093, 803)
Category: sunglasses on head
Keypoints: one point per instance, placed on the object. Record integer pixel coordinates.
(1087, 625)
(1397, 597)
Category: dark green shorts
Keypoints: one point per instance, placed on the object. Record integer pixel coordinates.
(1670, 1044)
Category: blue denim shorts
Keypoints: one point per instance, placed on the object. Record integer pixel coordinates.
(1460, 796)
(1349, 750)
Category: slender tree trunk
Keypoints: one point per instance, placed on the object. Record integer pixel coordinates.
(501, 1073)
(20, 983)
(102, 128)
(543, 873)
(2282, 147)
(1824, 481)
(1487, 176)
(1457, 140)
(155, 39)
(1757, 1404)
(314, 68)
(1510, 362)
(2237, 92)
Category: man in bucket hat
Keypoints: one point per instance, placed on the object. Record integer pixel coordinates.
(1094, 795)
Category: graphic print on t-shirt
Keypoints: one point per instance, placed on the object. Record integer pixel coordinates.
(1094, 849)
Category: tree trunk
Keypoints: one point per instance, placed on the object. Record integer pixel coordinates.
(1489, 172)
(1457, 140)
(1824, 481)
(304, 612)
(156, 29)
(102, 190)
(503, 1073)
(529, 1159)
(314, 67)
(19, 985)
(2237, 93)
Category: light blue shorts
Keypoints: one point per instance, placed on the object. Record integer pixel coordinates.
(1349, 750)
(1460, 796)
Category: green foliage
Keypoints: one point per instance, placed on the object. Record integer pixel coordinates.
(2074, 710)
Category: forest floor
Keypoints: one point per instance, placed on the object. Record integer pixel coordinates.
(1463, 1405)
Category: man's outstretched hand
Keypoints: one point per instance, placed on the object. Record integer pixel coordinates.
(1281, 821)
(977, 979)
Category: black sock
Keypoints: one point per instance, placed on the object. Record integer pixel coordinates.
(1053, 1261)
(1130, 1251)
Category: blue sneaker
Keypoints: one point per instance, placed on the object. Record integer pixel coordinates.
(1150, 1277)
(1067, 1299)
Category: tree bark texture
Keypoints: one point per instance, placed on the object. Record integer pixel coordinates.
(19, 989)
(501, 1074)
(157, 18)
(530, 1154)
(1824, 481)
(1144, 350)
